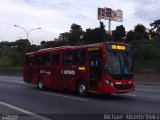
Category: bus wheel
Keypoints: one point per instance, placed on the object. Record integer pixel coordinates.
(82, 89)
(40, 84)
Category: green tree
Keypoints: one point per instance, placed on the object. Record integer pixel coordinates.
(75, 27)
(64, 36)
(75, 34)
(104, 36)
(102, 26)
(119, 33)
(43, 42)
(129, 36)
(155, 26)
(49, 44)
(93, 36)
(140, 32)
(22, 45)
(4, 44)
(96, 35)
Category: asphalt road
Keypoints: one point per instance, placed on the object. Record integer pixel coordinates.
(19, 100)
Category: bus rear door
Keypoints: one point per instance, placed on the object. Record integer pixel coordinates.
(29, 68)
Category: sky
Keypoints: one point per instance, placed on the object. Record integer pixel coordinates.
(57, 16)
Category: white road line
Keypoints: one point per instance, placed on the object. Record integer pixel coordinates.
(13, 81)
(133, 95)
(129, 95)
(147, 96)
(24, 111)
(76, 98)
(148, 90)
(146, 85)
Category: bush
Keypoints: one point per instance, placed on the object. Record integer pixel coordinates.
(146, 53)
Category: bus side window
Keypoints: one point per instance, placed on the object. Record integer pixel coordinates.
(56, 59)
(80, 57)
(47, 59)
(43, 60)
(68, 58)
(38, 60)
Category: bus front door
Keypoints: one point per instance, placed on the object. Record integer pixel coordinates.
(94, 69)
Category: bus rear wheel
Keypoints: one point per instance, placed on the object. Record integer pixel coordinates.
(82, 89)
(40, 84)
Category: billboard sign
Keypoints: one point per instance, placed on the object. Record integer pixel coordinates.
(109, 14)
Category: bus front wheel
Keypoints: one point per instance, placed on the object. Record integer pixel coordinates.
(82, 89)
(40, 84)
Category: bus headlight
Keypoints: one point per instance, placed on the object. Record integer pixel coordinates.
(109, 83)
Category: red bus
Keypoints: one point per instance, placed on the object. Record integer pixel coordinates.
(101, 68)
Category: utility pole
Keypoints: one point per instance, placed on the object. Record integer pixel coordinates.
(109, 27)
(27, 34)
(110, 15)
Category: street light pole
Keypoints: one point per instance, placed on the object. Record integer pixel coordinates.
(27, 32)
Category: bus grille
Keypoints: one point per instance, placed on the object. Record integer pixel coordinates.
(124, 87)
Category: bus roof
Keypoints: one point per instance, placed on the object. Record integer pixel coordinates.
(68, 47)
(57, 48)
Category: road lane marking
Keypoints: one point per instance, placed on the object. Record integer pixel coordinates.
(147, 96)
(13, 81)
(148, 85)
(24, 111)
(129, 95)
(148, 90)
(54, 94)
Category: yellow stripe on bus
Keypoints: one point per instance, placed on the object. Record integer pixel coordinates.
(81, 68)
(92, 49)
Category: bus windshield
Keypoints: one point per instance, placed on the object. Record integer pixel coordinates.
(119, 62)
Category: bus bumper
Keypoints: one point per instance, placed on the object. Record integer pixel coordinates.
(107, 88)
